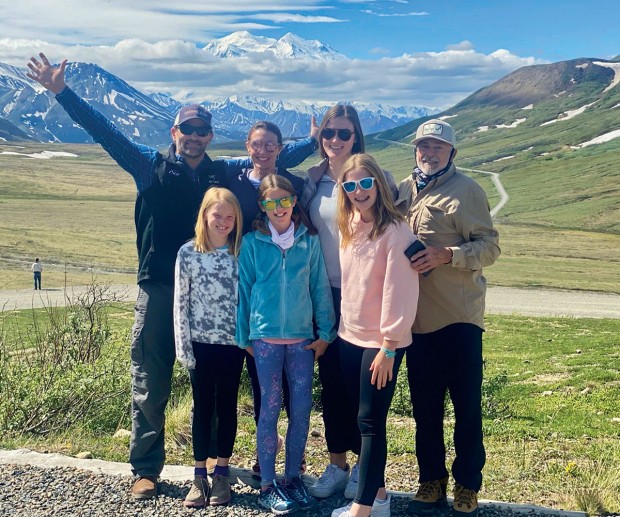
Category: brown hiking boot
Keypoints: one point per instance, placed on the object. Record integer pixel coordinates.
(465, 502)
(220, 491)
(145, 487)
(430, 495)
(198, 494)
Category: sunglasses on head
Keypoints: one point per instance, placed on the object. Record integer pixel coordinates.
(271, 204)
(188, 129)
(364, 183)
(270, 146)
(343, 134)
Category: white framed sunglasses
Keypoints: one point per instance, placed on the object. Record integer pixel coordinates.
(364, 183)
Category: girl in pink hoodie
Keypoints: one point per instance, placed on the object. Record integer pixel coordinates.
(379, 301)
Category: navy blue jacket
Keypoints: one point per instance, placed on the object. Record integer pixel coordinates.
(169, 191)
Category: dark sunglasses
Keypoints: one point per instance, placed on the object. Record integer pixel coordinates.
(365, 184)
(188, 129)
(343, 134)
(271, 204)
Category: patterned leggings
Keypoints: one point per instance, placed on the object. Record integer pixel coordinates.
(298, 366)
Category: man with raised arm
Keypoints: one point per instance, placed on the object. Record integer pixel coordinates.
(170, 189)
(449, 212)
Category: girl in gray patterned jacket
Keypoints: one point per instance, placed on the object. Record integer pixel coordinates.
(205, 304)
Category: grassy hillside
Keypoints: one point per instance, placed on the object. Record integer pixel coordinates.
(76, 213)
(559, 229)
(561, 226)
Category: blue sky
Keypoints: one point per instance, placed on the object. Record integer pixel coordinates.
(400, 51)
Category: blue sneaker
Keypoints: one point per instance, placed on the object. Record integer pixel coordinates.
(276, 500)
(297, 491)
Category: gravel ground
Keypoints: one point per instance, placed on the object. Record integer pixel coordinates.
(29, 491)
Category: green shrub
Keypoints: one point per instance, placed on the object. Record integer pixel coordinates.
(64, 367)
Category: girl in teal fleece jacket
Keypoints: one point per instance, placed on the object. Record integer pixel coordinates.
(283, 288)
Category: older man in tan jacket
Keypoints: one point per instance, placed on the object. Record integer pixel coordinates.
(450, 214)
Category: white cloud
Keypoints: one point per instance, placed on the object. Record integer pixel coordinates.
(93, 22)
(386, 15)
(296, 18)
(179, 67)
(379, 51)
(157, 47)
(463, 45)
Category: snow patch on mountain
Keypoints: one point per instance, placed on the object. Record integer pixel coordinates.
(289, 46)
(567, 115)
(616, 68)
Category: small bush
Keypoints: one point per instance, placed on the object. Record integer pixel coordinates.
(63, 368)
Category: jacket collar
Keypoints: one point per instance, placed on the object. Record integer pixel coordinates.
(173, 157)
(315, 173)
(299, 231)
(407, 189)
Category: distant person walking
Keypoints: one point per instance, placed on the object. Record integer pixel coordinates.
(36, 269)
(449, 213)
(170, 188)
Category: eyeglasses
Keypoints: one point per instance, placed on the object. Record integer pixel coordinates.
(343, 134)
(188, 129)
(271, 204)
(365, 184)
(270, 146)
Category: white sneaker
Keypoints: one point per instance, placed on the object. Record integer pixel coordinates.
(351, 488)
(379, 509)
(332, 481)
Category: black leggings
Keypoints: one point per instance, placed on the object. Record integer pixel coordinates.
(342, 433)
(215, 386)
(373, 406)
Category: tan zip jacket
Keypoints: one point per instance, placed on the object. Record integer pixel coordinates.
(451, 212)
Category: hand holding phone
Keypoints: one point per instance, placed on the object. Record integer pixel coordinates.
(415, 247)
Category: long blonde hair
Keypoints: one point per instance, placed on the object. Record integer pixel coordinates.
(384, 212)
(212, 196)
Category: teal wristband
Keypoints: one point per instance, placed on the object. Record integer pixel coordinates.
(388, 353)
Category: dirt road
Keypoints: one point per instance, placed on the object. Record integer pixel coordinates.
(500, 300)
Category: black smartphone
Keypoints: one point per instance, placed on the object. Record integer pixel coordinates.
(414, 248)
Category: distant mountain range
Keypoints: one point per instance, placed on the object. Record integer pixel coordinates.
(28, 111)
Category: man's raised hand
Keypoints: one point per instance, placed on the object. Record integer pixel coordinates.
(48, 76)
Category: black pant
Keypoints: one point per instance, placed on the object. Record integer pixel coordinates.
(342, 433)
(371, 417)
(449, 359)
(215, 386)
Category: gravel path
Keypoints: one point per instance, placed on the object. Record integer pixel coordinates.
(500, 300)
(31, 491)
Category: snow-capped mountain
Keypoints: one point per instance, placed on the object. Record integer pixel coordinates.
(147, 118)
(289, 46)
(34, 110)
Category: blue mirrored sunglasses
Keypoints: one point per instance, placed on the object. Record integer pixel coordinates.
(364, 183)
